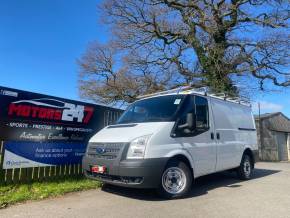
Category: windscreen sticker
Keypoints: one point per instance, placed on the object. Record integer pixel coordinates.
(177, 101)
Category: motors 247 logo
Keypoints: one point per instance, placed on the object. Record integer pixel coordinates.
(51, 109)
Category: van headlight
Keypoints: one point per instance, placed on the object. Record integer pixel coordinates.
(137, 147)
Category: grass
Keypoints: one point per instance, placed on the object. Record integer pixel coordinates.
(10, 194)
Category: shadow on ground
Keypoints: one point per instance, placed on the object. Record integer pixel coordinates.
(201, 185)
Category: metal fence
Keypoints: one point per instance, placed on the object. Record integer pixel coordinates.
(23, 175)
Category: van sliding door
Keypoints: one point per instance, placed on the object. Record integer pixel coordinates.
(229, 146)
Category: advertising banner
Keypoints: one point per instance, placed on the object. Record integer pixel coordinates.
(26, 116)
(42, 130)
(32, 154)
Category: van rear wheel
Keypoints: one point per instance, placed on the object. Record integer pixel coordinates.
(176, 180)
(245, 169)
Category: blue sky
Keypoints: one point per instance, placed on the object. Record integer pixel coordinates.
(41, 40)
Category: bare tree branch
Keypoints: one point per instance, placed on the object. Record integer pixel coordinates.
(158, 44)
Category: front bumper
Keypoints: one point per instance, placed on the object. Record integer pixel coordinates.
(143, 173)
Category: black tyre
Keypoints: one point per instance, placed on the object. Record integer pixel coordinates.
(245, 169)
(176, 180)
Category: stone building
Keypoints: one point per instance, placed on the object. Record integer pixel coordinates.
(274, 143)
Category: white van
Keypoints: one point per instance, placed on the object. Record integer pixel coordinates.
(167, 140)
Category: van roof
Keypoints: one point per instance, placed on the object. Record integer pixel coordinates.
(186, 90)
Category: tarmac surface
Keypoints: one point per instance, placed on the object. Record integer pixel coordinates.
(218, 195)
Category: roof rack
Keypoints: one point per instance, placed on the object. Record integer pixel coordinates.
(176, 90)
(201, 91)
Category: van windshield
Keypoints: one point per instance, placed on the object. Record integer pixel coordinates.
(157, 109)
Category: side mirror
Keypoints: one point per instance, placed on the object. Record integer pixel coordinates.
(190, 122)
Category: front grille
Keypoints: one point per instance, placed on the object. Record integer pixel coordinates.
(106, 157)
(107, 151)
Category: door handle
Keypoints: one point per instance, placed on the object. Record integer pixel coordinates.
(218, 135)
(212, 136)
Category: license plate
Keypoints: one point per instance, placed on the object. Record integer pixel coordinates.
(98, 169)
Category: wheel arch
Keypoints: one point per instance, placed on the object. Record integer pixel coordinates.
(249, 152)
(185, 159)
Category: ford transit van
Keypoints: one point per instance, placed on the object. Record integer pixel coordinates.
(168, 139)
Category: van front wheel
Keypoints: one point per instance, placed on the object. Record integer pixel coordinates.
(176, 180)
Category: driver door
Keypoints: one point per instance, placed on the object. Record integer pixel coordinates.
(200, 142)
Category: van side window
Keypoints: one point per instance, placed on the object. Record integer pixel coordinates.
(188, 108)
(201, 112)
(198, 106)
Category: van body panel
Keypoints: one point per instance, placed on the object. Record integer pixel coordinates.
(127, 134)
(234, 124)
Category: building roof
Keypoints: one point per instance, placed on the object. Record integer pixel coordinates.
(269, 115)
(277, 121)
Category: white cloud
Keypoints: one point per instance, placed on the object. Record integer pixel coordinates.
(267, 106)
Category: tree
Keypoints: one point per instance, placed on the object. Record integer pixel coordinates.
(160, 44)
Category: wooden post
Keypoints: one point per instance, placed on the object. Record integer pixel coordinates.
(261, 132)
